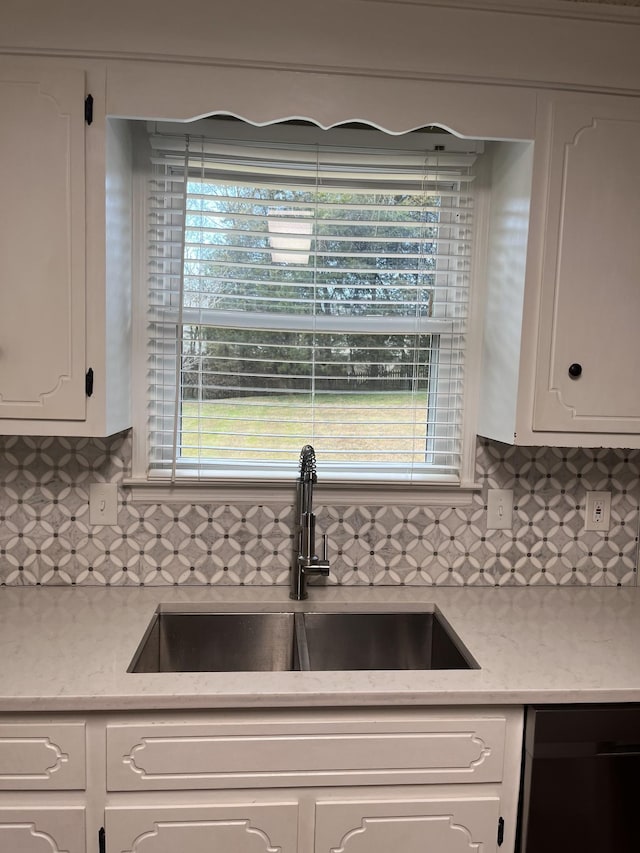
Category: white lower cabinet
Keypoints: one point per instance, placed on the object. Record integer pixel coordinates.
(42, 785)
(241, 827)
(56, 829)
(359, 780)
(321, 781)
(46, 756)
(455, 824)
(331, 821)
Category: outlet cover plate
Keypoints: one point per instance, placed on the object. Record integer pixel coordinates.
(103, 503)
(499, 509)
(597, 514)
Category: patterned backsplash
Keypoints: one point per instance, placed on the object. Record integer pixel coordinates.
(46, 538)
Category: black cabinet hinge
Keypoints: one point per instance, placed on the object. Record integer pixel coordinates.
(88, 382)
(500, 831)
(88, 109)
(102, 842)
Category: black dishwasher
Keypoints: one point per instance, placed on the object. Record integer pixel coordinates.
(581, 779)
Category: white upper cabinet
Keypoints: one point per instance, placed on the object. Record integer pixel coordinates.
(562, 352)
(64, 298)
(589, 347)
(561, 196)
(42, 247)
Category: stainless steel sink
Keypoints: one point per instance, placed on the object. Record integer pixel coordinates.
(281, 641)
(350, 641)
(217, 642)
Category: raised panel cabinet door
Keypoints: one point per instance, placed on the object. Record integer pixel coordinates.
(589, 347)
(42, 243)
(241, 827)
(42, 756)
(440, 747)
(58, 829)
(453, 824)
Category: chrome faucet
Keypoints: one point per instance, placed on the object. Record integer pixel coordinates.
(306, 561)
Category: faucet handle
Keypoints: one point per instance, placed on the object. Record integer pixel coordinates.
(322, 565)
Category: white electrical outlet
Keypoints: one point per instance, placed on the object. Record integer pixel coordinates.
(598, 511)
(103, 503)
(500, 509)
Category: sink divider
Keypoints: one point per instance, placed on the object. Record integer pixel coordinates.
(302, 648)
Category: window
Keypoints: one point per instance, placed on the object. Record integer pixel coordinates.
(307, 286)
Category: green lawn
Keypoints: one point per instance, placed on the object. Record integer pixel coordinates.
(251, 426)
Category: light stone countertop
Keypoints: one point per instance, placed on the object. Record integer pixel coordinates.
(68, 648)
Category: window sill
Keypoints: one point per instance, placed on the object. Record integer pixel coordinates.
(376, 493)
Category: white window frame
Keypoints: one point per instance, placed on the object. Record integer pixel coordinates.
(147, 488)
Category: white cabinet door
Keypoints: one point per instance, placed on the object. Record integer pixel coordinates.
(42, 242)
(42, 830)
(453, 824)
(42, 756)
(588, 342)
(249, 827)
(433, 747)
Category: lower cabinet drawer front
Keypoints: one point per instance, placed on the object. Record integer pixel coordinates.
(42, 757)
(42, 830)
(443, 750)
(238, 827)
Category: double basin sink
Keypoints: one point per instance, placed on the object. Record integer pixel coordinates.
(287, 641)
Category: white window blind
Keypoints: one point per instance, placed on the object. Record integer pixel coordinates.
(307, 294)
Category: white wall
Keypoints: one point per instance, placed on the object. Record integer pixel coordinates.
(540, 43)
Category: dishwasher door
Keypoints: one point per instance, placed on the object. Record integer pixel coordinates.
(581, 781)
